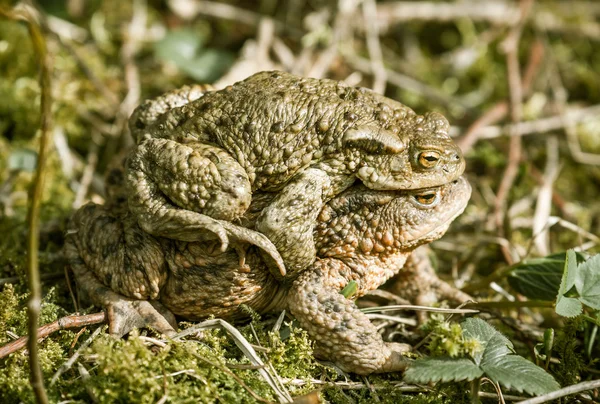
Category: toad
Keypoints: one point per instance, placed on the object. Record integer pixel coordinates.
(201, 155)
(360, 235)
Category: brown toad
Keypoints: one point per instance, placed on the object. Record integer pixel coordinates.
(361, 235)
(201, 154)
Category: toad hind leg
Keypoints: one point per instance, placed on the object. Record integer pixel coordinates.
(190, 192)
(120, 268)
(342, 333)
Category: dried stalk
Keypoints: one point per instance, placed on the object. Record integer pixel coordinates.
(62, 323)
(516, 113)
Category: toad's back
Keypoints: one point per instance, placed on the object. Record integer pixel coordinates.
(275, 123)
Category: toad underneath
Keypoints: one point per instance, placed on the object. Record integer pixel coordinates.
(360, 235)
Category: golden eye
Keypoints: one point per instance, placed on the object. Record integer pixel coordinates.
(426, 198)
(429, 159)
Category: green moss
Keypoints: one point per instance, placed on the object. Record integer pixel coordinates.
(447, 338)
(569, 350)
(14, 370)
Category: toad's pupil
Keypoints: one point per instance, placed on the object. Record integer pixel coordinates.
(425, 199)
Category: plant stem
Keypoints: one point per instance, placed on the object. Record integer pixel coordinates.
(512, 305)
(33, 213)
(591, 319)
(475, 391)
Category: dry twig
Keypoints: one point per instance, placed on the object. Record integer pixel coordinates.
(499, 111)
(567, 391)
(60, 324)
(374, 46)
(516, 112)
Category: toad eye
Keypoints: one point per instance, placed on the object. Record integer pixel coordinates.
(426, 198)
(429, 159)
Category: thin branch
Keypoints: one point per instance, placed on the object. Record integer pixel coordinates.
(500, 110)
(342, 32)
(224, 369)
(561, 95)
(567, 391)
(516, 112)
(69, 363)
(406, 83)
(542, 125)
(188, 10)
(495, 12)
(568, 18)
(543, 205)
(63, 323)
(374, 46)
(15, 279)
(88, 171)
(132, 33)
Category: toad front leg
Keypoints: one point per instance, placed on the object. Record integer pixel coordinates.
(342, 333)
(190, 192)
(289, 220)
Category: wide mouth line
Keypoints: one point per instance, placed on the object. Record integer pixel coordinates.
(454, 215)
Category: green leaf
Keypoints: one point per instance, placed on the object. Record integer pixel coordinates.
(497, 360)
(570, 272)
(587, 282)
(477, 328)
(496, 348)
(568, 306)
(516, 372)
(537, 278)
(183, 48)
(443, 369)
(208, 65)
(500, 363)
(178, 46)
(22, 160)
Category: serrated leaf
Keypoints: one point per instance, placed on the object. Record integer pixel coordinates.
(22, 160)
(537, 278)
(587, 282)
(496, 348)
(477, 328)
(501, 364)
(497, 361)
(568, 306)
(516, 372)
(444, 369)
(482, 331)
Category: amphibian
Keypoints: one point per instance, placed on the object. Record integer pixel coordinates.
(201, 155)
(360, 235)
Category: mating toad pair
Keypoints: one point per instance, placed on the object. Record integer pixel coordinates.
(275, 193)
